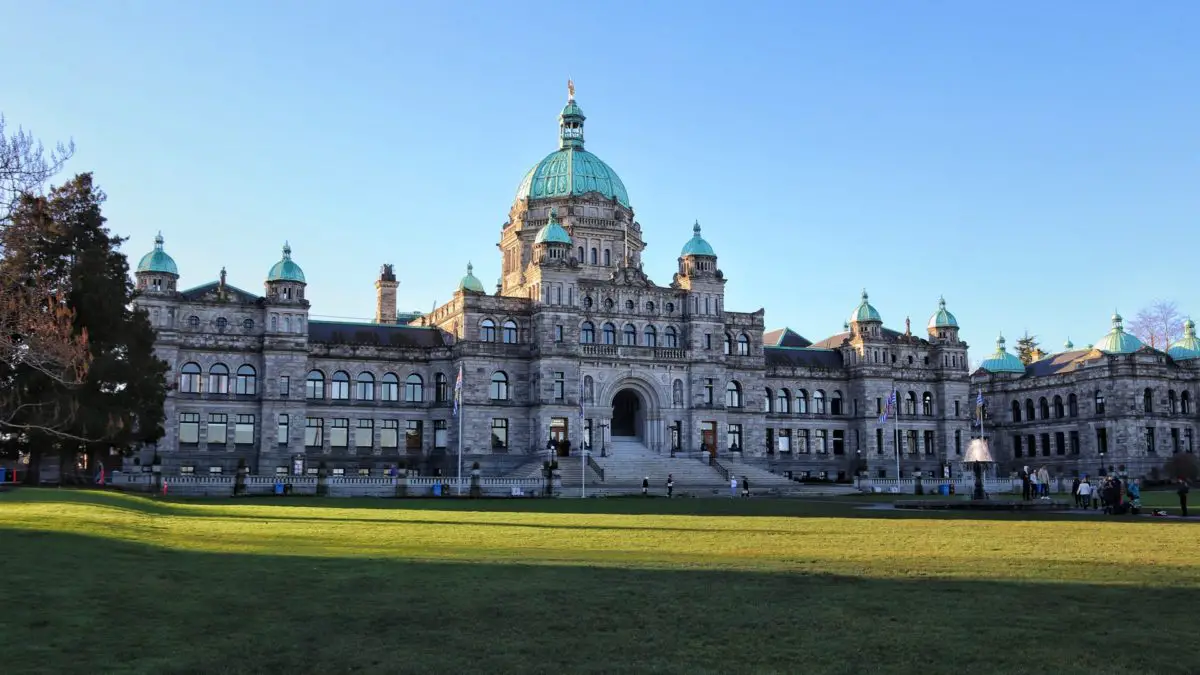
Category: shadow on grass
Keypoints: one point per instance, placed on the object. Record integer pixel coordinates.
(78, 604)
(840, 507)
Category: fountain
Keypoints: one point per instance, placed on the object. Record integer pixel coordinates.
(978, 457)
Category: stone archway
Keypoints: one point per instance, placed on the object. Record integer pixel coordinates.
(628, 414)
(635, 407)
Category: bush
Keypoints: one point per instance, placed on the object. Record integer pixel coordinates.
(1182, 465)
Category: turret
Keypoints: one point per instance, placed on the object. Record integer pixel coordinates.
(385, 295)
(552, 244)
(865, 322)
(285, 280)
(156, 271)
(943, 325)
(697, 259)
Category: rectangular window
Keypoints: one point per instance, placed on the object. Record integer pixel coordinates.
(243, 432)
(1016, 445)
(822, 442)
(839, 442)
(1102, 441)
(439, 434)
(364, 434)
(802, 444)
(189, 428)
(412, 435)
(1150, 440)
(929, 442)
(389, 436)
(1060, 443)
(218, 382)
(499, 434)
(1045, 445)
(1175, 441)
(708, 340)
(913, 440)
(783, 439)
(558, 333)
(1074, 442)
(708, 391)
(1187, 440)
(878, 405)
(218, 429)
(956, 408)
(734, 437)
(958, 441)
(281, 429)
(285, 386)
(879, 441)
(560, 386)
(314, 432)
(339, 435)
(364, 389)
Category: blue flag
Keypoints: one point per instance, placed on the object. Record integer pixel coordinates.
(458, 390)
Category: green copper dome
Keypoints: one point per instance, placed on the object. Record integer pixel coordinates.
(865, 311)
(1068, 345)
(942, 318)
(1187, 347)
(696, 245)
(158, 260)
(552, 232)
(470, 282)
(1118, 341)
(571, 170)
(1001, 361)
(285, 269)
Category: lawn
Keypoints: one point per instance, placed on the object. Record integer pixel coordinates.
(103, 582)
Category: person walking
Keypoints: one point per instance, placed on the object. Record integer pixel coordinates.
(745, 487)
(1183, 493)
(1035, 490)
(1044, 481)
(1026, 484)
(1083, 493)
(1075, 491)
(670, 485)
(1134, 490)
(646, 486)
(733, 486)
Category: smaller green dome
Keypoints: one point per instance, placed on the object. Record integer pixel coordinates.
(470, 282)
(1068, 345)
(942, 318)
(1118, 341)
(865, 311)
(158, 260)
(1001, 361)
(696, 245)
(286, 269)
(552, 232)
(1187, 347)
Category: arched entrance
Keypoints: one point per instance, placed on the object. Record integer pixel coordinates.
(627, 413)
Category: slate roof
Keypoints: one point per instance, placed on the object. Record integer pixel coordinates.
(835, 341)
(785, 337)
(382, 335)
(1065, 362)
(234, 293)
(806, 357)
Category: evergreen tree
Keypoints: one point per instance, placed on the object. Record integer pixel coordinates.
(1026, 346)
(119, 404)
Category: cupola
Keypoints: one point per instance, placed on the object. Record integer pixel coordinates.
(697, 257)
(1001, 361)
(1117, 341)
(156, 271)
(285, 280)
(865, 321)
(943, 324)
(552, 241)
(470, 283)
(1186, 348)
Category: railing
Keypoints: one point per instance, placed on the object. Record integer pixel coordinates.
(720, 468)
(962, 485)
(595, 467)
(634, 352)
(336, 486)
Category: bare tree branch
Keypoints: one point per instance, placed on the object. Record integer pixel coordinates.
(25, 166)
(1158, 325)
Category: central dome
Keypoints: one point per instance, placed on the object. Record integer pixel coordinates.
(572, 171)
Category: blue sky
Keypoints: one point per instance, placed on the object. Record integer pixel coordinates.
(1037, 163)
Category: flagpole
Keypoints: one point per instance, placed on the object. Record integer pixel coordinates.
(460, 406)
(582, 447)
(896, 435)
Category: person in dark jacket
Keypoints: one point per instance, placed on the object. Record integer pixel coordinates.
(1025, 484)
(1183, 493)
(646, 486)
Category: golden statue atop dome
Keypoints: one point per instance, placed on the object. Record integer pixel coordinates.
(570, 89)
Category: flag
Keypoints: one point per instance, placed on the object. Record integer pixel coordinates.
(979, 403)
(458, 386)
(888, 408)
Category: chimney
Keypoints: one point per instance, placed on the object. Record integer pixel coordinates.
(385, 296)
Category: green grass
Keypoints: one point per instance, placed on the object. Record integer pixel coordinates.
(103, 582)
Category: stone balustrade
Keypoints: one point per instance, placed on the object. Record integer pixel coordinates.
(337, 486)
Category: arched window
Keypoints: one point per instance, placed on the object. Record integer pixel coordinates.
(589, 389)
(1185, 403)
(609, 334)
(340, 389)
(510, 332)
(728, 344)
(218, 379)
(733, 395)
(743, 343)
(650, 307)
(910, 403)
(670, 338)
(927, 404)
(364, 388)
(487, 330)
(801, 406)
(587, 333)
(441, 388)
(1172, 403)
(314, 385)
(189, 378)
(1044, 408)
(1072, 405)
(414, 389)
(819, 402)
(1016, 411)
(1030, 415)
(607, 257)
(193, 322)
(389, 387)
(835, 403)
(498, 390)
(247, 381)
(783, 402)
(593, 257)
(1099, 403)
(630, 335)
(1058, 407)
(768, 400)
(677, 394)
(650, 337)
(629, 306)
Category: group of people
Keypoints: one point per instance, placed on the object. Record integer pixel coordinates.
(1035, 484)
(733, 486)
(1110, 494)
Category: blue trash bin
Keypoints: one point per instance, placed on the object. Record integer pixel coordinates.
(944, 489)
(279, 487)
(3, 474)
(437, 489)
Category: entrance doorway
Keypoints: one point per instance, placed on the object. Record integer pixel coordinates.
(559, 435)
(708, 436)
(626, 407)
